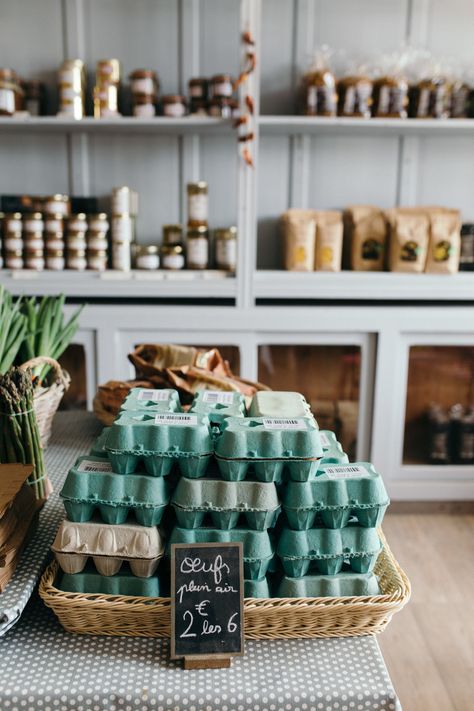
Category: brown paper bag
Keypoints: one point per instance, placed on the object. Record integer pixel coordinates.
(409, 236)
(367, 235)
(298, 228)
(329, 233)
(445, 241)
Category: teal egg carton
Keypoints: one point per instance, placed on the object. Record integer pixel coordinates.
(337, 494)
(257, 546)
(344, 584)
(91, 486)
(98, 447)
(279, 403)
(326, 550)
(122, 583)
(268, 447)
(225, 503)
(148, 400)
(332, 449)
(159, 440)
(257, 588)
(218, 405)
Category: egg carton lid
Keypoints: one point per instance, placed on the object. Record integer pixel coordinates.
(218, 495)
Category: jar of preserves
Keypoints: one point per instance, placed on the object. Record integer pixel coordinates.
(54, 222)
(174, 105)
(54, 240)
(144, 81)
(14, 258)
(98, 222)
(55, 260)
(147, 256)
(197, 248)
(122, 228)
(172, 256)
(33, 240)
(221, 85)
(172, 234)
(106, 101)
(225, 243)
(76, 259)
(34, 259)
(57, 205)
(97, 259)
(144, 105)
(108, 71)
(11, 94)
(76, 240)
(13, 222)
(198, 88)
(34, 101)
(13, 241)
(77, 222)
(220, 107)
(121, 256)
(72, 87)
(97, 240)
(124, 201)
(198, 203)
(33, 222)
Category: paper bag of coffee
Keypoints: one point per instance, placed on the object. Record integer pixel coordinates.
(329, 232)
(367, 236)
(445, 241)
(409, 236)
(298, 229)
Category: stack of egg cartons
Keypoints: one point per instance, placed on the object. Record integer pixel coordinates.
(115, 499)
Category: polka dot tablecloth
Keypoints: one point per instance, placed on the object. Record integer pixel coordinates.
(44, 668)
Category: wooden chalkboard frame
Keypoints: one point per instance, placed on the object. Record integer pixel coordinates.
(218, 659)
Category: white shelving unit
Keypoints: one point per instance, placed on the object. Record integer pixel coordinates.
(299, 161)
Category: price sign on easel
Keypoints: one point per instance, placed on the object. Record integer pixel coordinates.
(206, 603)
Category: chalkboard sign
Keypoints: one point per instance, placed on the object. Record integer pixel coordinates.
(206, 600)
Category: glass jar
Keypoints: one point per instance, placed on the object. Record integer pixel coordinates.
(72, 86)
(106, 101)
(97, 240)
(13, 259)
(172, 256)
(11, 94)
(198, 88)
(34, 101)
(172, 234)
(147, 257)
(198, 203)
(225, 243)
(144, 81)
(197, 248)
(220, 107)
(107, 71)
(13, 222)
(13, 241)
(144, 105)
(33, 240)
(174, 105)
(57, 205)
(54, 240)
(98, 222)
(77, 222)
(34, 259)
(124, 201)
(54, 222)
(97, 259)
(121, 256)
(55, 260)
(221, 85)
(76, 259)
(33, 222)
(76, 240)
(122, 228)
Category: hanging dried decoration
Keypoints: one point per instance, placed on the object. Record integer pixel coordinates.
(243, 123)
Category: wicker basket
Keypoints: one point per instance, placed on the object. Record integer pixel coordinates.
(271, 618)
(47, 399)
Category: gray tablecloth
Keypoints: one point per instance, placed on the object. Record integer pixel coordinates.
(43, 667)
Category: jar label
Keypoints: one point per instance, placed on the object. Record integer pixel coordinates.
(122, 229)
(173, 261)
(144, 110)
(154, 394)
(226, 253)
(178, 419)
(217, 397)
(352, 471)
(176, 110)
(55, 264)
(13, 243)
(148, 261)
(145, 85)
(273, 423)
(198, 252)
(198, 207)
(14, 262)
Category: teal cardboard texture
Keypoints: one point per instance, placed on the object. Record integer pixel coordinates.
(225, 503)
(92, 486)
(338, 493)
(148, 400)
(343, 584)
(158, 440)
(256, 588)
(275, 403)
(218, 405)
(258, 549)
(332, 449)
(324, 550)
(269, 446)
(98, 448)
(123, 583)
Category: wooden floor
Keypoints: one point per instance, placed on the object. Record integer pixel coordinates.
(429, 645)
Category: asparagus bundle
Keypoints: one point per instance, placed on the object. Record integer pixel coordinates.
(19, 436)
(12, 329)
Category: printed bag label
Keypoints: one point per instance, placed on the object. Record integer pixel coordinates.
(273, 423)
(217, 397)
(179, 419)
(351, 471)
(88, 465)
(155, 395)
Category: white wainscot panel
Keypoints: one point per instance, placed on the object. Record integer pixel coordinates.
(36, 164)
(219, 167)
(219, 34)
(448, 27)
(277, 63)
(273, 197)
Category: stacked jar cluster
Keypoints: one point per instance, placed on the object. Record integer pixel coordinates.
(265, 476)
(19, 96)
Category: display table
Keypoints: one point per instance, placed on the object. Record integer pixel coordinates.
(43, 667)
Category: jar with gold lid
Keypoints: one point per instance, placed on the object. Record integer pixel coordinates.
(221, 85)
(147, 256)
(54, 240)
(97, 259)
(197, 248)
(198, 88)
(14, 259)
(55, 260)
(174, 105)
(76, 259)
(97, 240)
(34, 259)
(98, 222)
(172, 234)
(54, 222)
(72, 87)
(225, 245)
(172, 256)
(33, 240)
(33, 222)
(143, 105)
(13, 222)
(198, 203)
(77, 222)
(13, 241)
(108, 71)
(57, 205)
(121, 256)
(76, 240)
(144, 81)
(11, 93)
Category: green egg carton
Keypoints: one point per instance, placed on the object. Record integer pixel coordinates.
(148, 400)
(256, 588)
(225, 503)
(98, 447)
(92, 486)
(122, 583)
(218, 405)
(159, 440)
(344, 584)
(332, 449)
(337, 494)
(257, 545)
(269, 447)
(326, 549)
(279, 403)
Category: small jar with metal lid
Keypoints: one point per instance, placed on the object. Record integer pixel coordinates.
(124, 201)
(33, 240)
(77, 222)
(14, 259)
(34, 259)
(13, 222)
(144, 105)
(76, 240)
(198, 88)
(198, 203)
(121, 256)
(11, 94)
(123, 228)
(144, 81)
(97, 259)
(57, 205)
(174, 105)
(197, 248)
(106, 101)
(225, 244)
(33, 222)
(172, 256)
(13, 241)
(172, 234)
(147, 256)
(55, 260)
(76, 259)
(98, 222)
(108, 71)
(54, 240)
(54, 222)
(221, 85)
(97, 240)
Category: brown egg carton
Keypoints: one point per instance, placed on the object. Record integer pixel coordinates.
(108, 546)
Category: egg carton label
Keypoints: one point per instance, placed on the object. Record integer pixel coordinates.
(155, 395)
(351, 472)
(218, 398)
(87, 465)
(324, 440)
(179, 419)
(273, 423)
